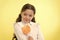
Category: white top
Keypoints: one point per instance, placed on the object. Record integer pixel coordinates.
(35, 31)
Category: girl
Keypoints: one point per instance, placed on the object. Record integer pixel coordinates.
(25, 27)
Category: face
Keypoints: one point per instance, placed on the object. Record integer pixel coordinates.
(27, 15)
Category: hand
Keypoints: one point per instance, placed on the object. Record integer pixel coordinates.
(30, 38)
(26, 29)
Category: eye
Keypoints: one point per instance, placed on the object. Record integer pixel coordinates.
(30, 15)
(25, 14)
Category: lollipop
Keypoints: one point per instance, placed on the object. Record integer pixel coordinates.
(26, 29)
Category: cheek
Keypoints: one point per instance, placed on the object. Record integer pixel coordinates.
(27, 18)
(23, 17)
(31, 18)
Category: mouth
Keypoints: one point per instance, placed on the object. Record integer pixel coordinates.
(27, 21)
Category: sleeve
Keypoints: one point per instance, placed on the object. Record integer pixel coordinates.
(40, 34)
(18, 32)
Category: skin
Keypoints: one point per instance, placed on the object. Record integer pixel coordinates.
(27, 16)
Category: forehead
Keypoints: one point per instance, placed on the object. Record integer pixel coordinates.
(28, 11)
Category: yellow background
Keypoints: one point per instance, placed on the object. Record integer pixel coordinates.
(47, 15)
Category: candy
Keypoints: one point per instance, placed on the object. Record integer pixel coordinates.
(26, 29)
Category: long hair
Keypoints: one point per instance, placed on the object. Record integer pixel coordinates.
(26, 6)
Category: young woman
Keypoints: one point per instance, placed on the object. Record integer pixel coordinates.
(25, 27)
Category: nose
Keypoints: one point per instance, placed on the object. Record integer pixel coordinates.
(27, 17)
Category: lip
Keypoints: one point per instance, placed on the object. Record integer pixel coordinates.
(27, 21)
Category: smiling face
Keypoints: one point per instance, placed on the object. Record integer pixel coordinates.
(27, 15)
